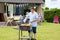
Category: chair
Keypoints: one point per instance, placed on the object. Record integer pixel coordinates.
(8, 20)
(56, 20)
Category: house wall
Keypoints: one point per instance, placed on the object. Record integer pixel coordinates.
(40, 11)
(10, 7)
(1, 7)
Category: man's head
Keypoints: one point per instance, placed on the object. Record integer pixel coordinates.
(32, 10)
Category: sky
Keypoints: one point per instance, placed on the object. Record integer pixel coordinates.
(52, 3)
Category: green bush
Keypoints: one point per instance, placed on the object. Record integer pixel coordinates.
(49, 14)
(46, 8)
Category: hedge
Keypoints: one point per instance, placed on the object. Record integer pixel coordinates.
(49, 14)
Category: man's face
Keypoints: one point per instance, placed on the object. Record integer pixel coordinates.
(32, 10)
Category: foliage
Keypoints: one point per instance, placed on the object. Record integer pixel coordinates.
(44, 0)
(46, 8)
(49, 14)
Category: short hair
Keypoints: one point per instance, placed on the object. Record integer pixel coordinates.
(32, 8)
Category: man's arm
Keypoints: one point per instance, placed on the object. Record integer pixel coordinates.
(34, 20)
(25, 18)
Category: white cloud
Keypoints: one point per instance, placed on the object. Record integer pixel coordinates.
(52, 4)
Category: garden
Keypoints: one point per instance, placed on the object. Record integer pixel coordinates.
(45, 31)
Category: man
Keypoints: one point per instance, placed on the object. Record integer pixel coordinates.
(33, 18)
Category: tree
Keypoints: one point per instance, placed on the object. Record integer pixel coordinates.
(44, 0)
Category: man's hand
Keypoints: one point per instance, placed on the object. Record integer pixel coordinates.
(31, 21)
(24, 20)
(34, 20)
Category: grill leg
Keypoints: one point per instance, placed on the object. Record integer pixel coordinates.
(19, 33)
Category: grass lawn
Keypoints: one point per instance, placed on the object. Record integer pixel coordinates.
(45, 31)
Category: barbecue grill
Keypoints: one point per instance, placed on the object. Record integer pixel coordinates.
(24, 27)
